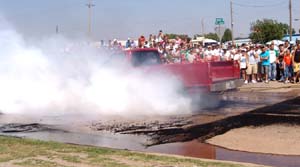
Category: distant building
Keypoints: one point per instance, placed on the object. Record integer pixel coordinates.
(240, 41)
(295, 37)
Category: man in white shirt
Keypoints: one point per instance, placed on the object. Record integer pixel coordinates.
(273, 60)
(208, 54)
(252, 65)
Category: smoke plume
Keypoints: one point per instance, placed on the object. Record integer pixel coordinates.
(57, 75)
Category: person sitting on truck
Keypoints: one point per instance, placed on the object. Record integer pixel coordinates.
(142, 42)
(128, 43)
(208, 54)
(177, 55)
(191, 56)
(160, 36)
(217, 53)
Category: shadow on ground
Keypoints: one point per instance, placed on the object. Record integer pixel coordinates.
(287, 112)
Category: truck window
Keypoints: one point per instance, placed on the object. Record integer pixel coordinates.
(115, 59)
(140, 58)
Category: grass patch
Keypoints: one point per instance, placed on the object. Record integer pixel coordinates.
(72, 159)
(37, 163)
(15, 150)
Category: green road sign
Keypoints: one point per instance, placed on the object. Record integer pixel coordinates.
(219, 21)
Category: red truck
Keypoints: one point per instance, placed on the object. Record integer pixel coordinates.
(204, 76)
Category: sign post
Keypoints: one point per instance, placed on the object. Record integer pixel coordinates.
(220, 21)
(220, 30)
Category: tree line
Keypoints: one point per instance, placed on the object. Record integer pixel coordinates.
(262, 31)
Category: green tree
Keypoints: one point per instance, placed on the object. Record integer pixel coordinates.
(227, 35)
(213, 36)
(266, 30)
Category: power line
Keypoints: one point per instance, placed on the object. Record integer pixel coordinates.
(259, 6)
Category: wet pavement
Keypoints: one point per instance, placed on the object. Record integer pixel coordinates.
(117, 132)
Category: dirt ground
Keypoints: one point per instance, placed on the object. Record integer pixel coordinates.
(273, 139)
(278, 138)
(18, 152)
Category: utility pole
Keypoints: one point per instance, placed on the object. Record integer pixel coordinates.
(56, 29)
(291, 21)
(220, 34)
(90, 5)
(202, 24)
(231, 15)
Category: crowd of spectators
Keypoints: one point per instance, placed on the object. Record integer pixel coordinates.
(258, 63)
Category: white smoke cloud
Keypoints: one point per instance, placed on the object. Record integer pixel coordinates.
(56, 75)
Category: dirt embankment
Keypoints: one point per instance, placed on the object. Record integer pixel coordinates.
(286, 112)
(274, 139)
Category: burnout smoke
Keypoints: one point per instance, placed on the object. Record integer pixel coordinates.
(59, 76)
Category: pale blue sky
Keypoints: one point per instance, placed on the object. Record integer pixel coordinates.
(131, 18)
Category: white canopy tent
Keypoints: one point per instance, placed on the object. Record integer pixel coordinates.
(276, 42)
(209, 41)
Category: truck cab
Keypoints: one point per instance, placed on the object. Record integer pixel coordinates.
(204, 76)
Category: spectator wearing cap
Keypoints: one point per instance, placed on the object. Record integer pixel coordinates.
(252, 65)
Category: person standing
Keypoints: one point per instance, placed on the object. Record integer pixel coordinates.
(288, 71)
(273, 63)
(257, 52)
(296, 62)
(243, 65)
(280, 72)
(265, 62)
(252, 65)
(160, 36)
